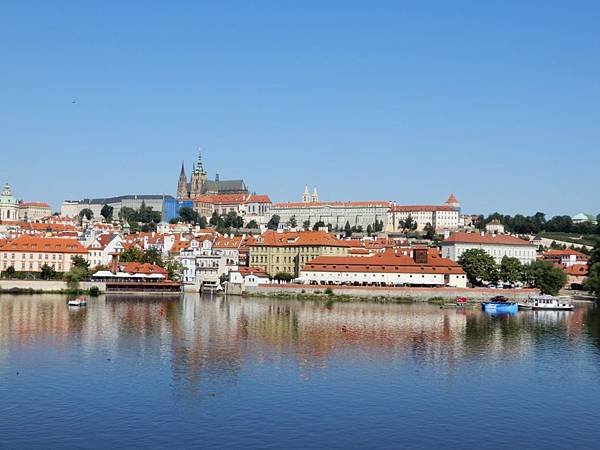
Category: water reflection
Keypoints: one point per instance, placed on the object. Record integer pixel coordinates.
(197, 336)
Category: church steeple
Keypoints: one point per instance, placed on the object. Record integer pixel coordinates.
(315, 196)
(182, 189)
(306, 195)
(199, 164)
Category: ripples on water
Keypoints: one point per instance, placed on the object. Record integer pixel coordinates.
(266, 373)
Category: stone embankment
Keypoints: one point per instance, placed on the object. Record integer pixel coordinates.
(49, 286)
(390, 293)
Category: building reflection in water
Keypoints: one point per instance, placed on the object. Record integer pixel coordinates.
(204, 338)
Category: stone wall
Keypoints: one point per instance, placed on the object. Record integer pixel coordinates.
(417, 294)
(47, 285)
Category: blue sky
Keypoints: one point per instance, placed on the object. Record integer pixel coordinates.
(496, 101)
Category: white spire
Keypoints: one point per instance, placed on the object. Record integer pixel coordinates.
(315, 196)
(306, 195)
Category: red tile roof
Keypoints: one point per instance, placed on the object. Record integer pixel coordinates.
(487, 239)
(35, 244)
(332, 204)
(387, 262)
(577, 270)
(416, 208)
(145, 268)
(300, 239)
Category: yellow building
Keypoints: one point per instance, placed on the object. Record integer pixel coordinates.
(287, 252)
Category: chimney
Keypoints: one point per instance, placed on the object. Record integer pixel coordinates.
(420, 255)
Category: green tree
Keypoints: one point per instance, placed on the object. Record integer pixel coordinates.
(546, 277)
(10, 271)
(175, 269)
(429, 231)
(87, 213)
(252, 225)
(127, 214)
(317, 225)
(132, 254)
(189, 215)
(592, 284)
(283, 276)
(273, 222)
(81, 263)
(306, 225)
(479, 266)
(369, 230)
(408, 224)
(511, 270)
(47, 272)
(595, 253)
(107, 213)
(293, 223)
(73, 277)
(348, 229)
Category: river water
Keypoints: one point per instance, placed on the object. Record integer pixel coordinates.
(269, 373)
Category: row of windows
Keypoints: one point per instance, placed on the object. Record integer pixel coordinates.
(31, 266)
(31, 256)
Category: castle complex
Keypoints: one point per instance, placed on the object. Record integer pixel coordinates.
(199, 184)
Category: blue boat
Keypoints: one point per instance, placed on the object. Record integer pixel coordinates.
(499, 305)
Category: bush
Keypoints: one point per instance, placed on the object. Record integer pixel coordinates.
(94, 291)
(328, 291)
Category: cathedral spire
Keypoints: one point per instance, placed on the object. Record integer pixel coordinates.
(199, 165)
(306, 195)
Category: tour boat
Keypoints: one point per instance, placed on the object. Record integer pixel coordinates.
(548, 302)
(81, 301)
(500, 305)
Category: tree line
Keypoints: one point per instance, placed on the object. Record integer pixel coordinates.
(537, 223)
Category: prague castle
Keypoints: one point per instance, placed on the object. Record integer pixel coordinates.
(199, 184)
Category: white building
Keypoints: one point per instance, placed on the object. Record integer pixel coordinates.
(494, 226)
(440, 217)
(103, 248)
(496, 245)
(385, 269)
(31, 211)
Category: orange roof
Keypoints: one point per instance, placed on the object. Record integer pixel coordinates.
(35, 244)
(300, 239)
(577, 270)
(417, 208)
(487, 239)
(34, 204)
(223, 199)
(245, 271)
(452, 199)
(565, 252)
(226, 242)
(146, 268)
(259, 199)
(388, 262)
(332, 204)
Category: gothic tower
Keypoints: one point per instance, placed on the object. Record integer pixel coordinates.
(306, 195)
(199, 179)
(182, 188)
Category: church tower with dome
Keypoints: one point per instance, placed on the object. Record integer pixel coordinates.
(9, 206)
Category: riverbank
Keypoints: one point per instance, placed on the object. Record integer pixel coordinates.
(383, 294)
(16, 287)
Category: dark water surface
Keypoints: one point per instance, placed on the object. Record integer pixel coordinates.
(266, 373)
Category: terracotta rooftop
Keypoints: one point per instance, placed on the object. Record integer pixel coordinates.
(36, 244)
(487, 239)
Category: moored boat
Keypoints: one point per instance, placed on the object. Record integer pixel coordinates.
(81, 301)
(500, 305)
(550, 303)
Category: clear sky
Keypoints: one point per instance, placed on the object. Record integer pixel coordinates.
(496, 101)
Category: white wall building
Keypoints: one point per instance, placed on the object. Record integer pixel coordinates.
(496, 245)
(384, 269)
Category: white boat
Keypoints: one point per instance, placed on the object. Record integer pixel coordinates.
(81, 301)
(547, 302)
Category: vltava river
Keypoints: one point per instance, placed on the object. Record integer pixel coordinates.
(268, 373)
